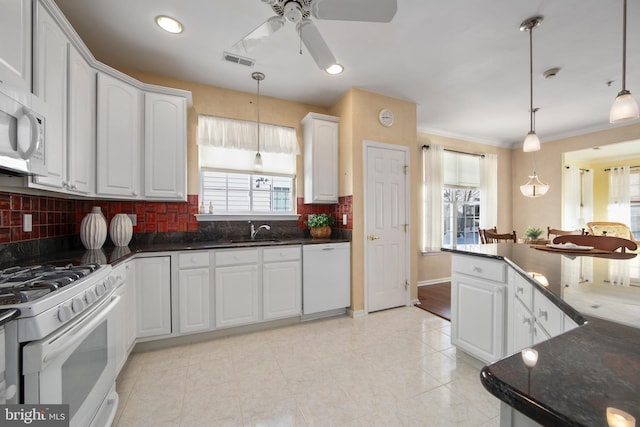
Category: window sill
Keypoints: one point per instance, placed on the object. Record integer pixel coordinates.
(246, 217)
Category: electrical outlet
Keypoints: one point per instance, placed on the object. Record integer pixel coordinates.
(133, 218)
(27, 223)
(344, 219)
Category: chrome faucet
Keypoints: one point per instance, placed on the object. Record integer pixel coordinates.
(254, 231)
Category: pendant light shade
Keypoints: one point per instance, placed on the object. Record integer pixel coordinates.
(534, 187)
(624, 107)
(531, 142)
(258, 77)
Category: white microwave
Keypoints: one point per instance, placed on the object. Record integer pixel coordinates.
(22, 142)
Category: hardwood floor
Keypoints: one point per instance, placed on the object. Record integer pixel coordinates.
(436, 299)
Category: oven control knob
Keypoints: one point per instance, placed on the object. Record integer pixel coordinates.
(64, 313)
(90, 297)
(100, 289)
(77, 305)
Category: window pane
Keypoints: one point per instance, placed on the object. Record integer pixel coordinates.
(461, 216)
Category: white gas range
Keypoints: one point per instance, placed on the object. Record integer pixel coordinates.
(60, 348)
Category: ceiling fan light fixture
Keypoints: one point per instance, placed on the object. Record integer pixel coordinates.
(293, 12)
(624, 108)
(335, 69)
(169, 24)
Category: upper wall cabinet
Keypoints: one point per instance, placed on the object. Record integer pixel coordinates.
(320, 158)
(15, 48)
(119, 138)
(165, 147)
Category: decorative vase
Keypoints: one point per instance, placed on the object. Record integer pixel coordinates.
(121, 229)
(93, 229)
(320, 232)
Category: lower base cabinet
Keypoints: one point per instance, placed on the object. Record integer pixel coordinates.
(194, 300)
(153, 296)
(236, 295)
(281, 290)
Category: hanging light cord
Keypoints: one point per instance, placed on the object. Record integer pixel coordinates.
(624, 49)
(531, 75)
(258, 115)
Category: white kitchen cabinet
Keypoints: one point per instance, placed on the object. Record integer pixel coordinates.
(478, 306)
(15, 49)
(51, 68)
(281, 282)
(236, 287)
(153, 296)
(119, 131)
(320, 158)
(81, 140)
(194, 292)
(165, 147)
(126, 314)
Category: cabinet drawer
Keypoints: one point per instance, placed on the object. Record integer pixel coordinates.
(479, 267)
(523, 290)
(240, 256)
(193, 259)
(548, 315)
(282, 253)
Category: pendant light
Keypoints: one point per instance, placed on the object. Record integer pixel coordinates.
(258, 76)
(531, 142)
(624, 107)
(534, 187)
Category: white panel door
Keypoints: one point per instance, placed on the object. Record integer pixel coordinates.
(194, 300)
(165, 146)
(52, 65)
(236, 295)
(81, 154)
(281, 289)
(386, 244)
(15, 49)
(119, 138)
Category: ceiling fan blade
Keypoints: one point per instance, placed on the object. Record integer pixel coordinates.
(315, 44)
(255, 37)
(355, 10)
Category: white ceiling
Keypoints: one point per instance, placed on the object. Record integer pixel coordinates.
(465, 63)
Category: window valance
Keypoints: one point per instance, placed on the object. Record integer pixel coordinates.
(243, 135)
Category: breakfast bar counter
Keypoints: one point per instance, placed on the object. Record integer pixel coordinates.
(582, 372)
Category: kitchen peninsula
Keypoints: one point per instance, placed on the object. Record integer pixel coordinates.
(588, 359)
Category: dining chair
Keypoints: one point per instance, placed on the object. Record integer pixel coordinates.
(481, 231)
(610, 228)
(558, 232)
(492, 236)
(606, 243)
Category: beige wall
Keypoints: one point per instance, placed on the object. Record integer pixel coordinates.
(220, 102)
(434, 267)
(358, 111)
(547, 210)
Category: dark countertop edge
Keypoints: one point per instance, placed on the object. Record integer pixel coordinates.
(560, 303)
(521, 402)
(8, 314)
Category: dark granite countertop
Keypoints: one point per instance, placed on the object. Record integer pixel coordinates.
(581, 372)
(116, 254)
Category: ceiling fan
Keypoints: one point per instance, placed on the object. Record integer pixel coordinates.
(299, 12)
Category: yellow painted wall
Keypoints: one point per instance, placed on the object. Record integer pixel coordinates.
(547, 210)
(434, 267)
(220, 102)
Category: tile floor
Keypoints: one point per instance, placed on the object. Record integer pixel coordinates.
(395, 367)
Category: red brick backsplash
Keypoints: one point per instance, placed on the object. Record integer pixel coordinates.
(343, 207)
(55, 217)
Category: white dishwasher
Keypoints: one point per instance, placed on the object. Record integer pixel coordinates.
(326, 279)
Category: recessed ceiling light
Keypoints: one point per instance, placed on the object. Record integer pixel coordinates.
(335, 69)
(169, 24)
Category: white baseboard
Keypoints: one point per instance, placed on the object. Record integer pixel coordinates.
(358, 313)
(434, 281)
(414, 302)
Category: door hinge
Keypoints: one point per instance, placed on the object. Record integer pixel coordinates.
(406, 228)
(406, 168)
(406, 284)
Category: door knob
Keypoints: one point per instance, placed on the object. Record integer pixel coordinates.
(373, 237)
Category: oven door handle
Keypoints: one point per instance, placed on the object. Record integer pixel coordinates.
(54, 347)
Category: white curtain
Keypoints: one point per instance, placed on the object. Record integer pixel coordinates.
(619, 208)
(587, 198)
(432, 181)
(619, 272)
(243, 135)
(572, 199)
(232, 145)
(489, 191)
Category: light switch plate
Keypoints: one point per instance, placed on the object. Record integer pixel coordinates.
(344, 219)
(133, 218)
(27, 223)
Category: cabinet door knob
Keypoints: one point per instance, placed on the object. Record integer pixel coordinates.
(543, 313)
(477, 269)
(519, 290)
